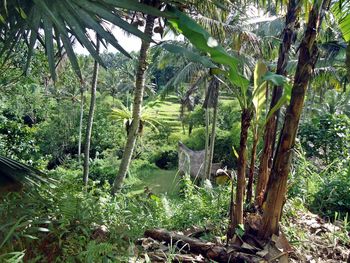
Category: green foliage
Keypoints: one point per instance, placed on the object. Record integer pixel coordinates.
(224, 141)
(326, 137)
(166, 157)
(18, 142)
(323, 189)
(60, 19)
(333, 195)
(65, 222)
(202, 40)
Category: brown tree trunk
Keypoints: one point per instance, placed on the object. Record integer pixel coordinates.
(271, 126)
(252, 166)
(241, 173)
(90, 117)
(137, 106)
(277, 185)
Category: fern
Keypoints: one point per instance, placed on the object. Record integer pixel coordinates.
(97, 252)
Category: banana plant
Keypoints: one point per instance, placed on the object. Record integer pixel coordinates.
(222, 63)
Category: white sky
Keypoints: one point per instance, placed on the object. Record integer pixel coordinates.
(128, 42)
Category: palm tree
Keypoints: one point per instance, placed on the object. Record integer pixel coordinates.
(137, 105)
(91, 116)
(62, 21)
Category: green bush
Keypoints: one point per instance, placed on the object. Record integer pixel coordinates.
(324, 190)
(60, 222)
(224, 141)
(165, 157)
(326, 137)
(333, 195)
(104, 170)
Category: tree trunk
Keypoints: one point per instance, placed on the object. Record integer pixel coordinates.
(81, 122)
(212, 138)
(241, 173)
(208, 250)
(206, 153)
(137, 106)
(90, 117)
(277, 185)
(252, 166)
(271, 126)
(212, 102)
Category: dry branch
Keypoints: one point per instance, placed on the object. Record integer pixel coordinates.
(208, 250)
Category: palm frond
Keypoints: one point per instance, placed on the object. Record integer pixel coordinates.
(61, 21)
(12, 171)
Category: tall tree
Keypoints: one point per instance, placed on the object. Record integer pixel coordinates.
(277, 184)
(91, 116)
(288, 38)
(81, 121)
(137, 105)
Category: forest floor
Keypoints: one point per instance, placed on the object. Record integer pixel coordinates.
(319, 242)
(310, 238)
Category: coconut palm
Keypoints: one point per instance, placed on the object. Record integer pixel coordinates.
(62, 21)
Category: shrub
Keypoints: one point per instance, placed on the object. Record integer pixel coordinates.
(165, 157)
(326, 137)
(333, 195)
(224, 141)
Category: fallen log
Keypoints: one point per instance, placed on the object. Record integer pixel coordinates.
(208, 250)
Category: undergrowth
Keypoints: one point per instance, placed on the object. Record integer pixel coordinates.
(66, 222)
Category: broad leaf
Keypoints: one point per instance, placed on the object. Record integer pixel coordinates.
(190, 55)
(202, 40)
(341, 10)
(259, 93)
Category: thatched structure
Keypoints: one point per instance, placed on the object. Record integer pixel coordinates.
(192, 162)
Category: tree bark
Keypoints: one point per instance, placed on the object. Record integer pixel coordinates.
(241, 173)
(206, 153)
(137, 106)
(81, 122)
(213, 127)
(271, 126)
(252, 165)
(208, 250)
(277, 185)
(90, 117)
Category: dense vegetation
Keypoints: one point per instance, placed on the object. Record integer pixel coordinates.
(89, 143)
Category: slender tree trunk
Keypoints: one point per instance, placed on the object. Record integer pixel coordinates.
(277, 185)
(206, 153)
(211, 101)
(212, 137)
(136, 115)
(81, 122)
(252, 165)
(241, 173)
(271, 126)
(90, 117)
